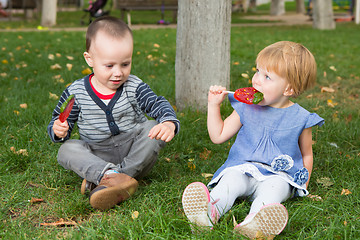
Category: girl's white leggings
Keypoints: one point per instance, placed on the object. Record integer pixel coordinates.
(235, 184)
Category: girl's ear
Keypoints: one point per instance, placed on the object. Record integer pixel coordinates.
(288, 91)
(88, 59)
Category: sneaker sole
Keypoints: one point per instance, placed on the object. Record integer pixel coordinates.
(195, 201)
(104, 198)
(269, 221)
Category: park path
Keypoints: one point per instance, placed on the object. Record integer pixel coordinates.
(284, 20)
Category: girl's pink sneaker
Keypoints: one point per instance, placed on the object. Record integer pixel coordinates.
(195, 201)
(269, 221)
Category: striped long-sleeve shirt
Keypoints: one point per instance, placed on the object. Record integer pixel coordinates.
(97, 121)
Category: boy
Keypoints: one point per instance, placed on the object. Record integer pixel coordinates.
(117, 145)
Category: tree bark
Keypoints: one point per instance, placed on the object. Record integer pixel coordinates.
(202, 50)
(277, 7)
(300, 6)
(323, 16)
(48, 13)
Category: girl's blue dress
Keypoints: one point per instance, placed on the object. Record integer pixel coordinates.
(267, 144)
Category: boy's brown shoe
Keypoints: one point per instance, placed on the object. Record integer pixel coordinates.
(112, 189)
(87, 186)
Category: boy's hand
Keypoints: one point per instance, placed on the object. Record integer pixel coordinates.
(60, 129)
(164, 131)
(216, 94)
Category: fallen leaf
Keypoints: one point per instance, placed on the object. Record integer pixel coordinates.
(53, 96)
(4, 74)
(325, 181)
(60, 223)
(58, 54)
(236, 63)
(69, 66)
(5, 61)
(135, 215)
(86, 71)
(245, 75)
(56, 66)
(207, 175)
(23, 105)
(36, 200)
(156, 45)
(205, 154)
(327, 89)
(70, 57)
(333, 68)
(19, 152)
(191, 165)
(16, 112)
(167, 159)
(314, 197)
(345, 223)
(330, 103)
(345, 192)
(51, 56)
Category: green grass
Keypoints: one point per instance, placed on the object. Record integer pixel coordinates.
(28, 78)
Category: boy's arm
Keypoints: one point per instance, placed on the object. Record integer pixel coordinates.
(70, 121)
(220, 131)
(305, 143)
(156, 107)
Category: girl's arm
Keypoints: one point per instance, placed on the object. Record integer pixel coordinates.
(219, 130)
(305, 143)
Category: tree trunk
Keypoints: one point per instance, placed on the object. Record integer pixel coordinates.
(48, 13)
(277, 7)
(300, 6)
(202, 50)
(323, 17)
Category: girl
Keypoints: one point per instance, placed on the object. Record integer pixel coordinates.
(271, 159)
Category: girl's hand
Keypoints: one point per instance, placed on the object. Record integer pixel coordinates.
(60, 129)
(216, 94)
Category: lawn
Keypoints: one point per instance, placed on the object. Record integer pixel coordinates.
(35, 67)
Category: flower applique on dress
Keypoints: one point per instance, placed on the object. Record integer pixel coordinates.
(282, 163)
(301, 176)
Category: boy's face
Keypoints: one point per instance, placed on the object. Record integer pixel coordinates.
(110, 59)
(276, 89)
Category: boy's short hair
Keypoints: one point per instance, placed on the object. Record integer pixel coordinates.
(291, 61)
(113, 26)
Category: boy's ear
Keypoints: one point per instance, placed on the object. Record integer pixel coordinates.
(88, 59)
(288, 91)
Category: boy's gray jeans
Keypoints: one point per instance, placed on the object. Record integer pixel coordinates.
(132, 153)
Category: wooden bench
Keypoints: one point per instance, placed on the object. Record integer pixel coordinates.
(27, 6)
(126, 6)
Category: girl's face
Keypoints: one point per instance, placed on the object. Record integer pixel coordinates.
(276, 89)
(110, 59)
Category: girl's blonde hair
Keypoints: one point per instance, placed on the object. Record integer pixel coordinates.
(291, 61)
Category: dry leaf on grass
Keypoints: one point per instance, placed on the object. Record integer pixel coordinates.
(325, 181)
(36, 200)
(19, 152)
(23, 105)
(207, 175)
(135, 215)
(314, 197)
(56, 66)
(53, 96)
(69, 66)
(327, 89)
(86, 71)
(60, 223)
(245, 75)
(345, 192)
